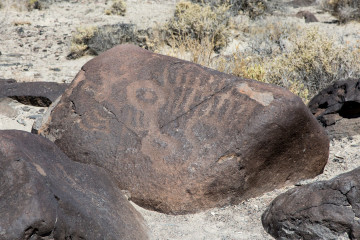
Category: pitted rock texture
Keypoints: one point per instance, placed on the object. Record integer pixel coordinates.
(181, 137)
(338, 108)
(45, 195)
(321, 210)
(40, 94)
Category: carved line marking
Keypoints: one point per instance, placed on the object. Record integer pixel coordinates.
(264, 98)
(197, 105)
(117, 119)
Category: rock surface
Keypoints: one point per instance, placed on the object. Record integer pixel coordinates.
(321, 210)
(181, 137)
(45, 195)
(40, 94)
(308, 16)
(338, 108)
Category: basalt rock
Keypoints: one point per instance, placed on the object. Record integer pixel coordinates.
(322, 210)
(45, 195)
(308, 16)
(40, 94)
(181, 137)
(337, 108)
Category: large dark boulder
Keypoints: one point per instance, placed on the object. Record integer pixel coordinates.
(181, 137)
(337, 108)
(40, 94)
(321, 210)
(45, 195)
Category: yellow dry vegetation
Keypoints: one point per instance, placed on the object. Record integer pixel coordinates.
(117, 8)
(79, 41)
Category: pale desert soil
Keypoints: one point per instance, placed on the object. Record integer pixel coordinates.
(36, 50)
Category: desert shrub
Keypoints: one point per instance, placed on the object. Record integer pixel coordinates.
(200, 52)
(311, 61)
(200, 23)
(344, 10)
(79, 42)
(1, 5)
(108, 36)
(314, 62)
(270, 37)
(117, 8)
(253, 8)
(34, 4)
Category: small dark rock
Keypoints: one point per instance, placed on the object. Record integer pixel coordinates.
(34, 116)
(26, 108)
(21, 121)
(308, 16)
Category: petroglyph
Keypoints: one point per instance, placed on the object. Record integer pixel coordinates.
(40, 169)
(181, 137)
(264, 98)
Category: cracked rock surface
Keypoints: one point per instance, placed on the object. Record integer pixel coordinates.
(45, 195)
(183, 138)
(321, 210)
(337, 108)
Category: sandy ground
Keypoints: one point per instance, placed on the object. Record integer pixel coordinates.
(34, 46)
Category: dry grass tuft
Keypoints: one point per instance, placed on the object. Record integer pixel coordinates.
(79, 42)
(117, 8)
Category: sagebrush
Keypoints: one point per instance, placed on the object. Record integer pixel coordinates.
(199, 23)
(344, 10)
(118, 7)
(79, 42)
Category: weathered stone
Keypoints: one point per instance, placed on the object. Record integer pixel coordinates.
(338, 108)
(40, 94)
(45, 195)
(39, 122)
(308, 16)
(6, 109)
(321, 210)
(181, 137)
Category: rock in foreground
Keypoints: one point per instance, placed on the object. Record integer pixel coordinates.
(322, 210)
(45, 195)
(181, 137)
